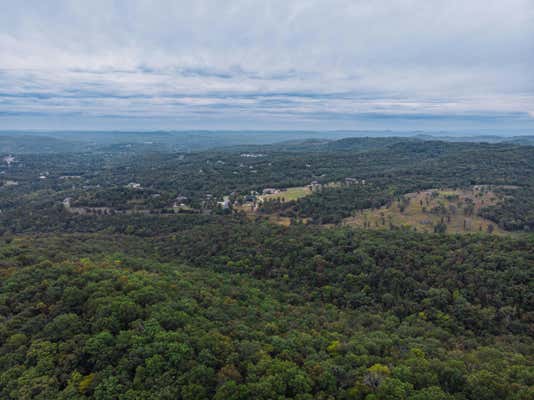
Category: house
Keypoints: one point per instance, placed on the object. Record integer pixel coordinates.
(314, 185)
(134, 185)
(270, 191)
(178, 206)
(252, 155)
(9, 160)
(351, 180)
(225, 204)
(63, 177)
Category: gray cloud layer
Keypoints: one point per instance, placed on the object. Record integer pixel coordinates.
(298, 62)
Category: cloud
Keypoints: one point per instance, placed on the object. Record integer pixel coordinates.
(274, 61)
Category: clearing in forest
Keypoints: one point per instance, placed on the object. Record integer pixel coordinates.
(435, 210)
(251, 208)
(289, 194)
(282, 195)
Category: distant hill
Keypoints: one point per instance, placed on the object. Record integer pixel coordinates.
(187, 141)
(20, 143)
(524, 140)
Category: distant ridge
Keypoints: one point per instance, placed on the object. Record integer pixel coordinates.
(186, 141)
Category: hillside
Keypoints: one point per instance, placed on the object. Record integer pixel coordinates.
(454, 211)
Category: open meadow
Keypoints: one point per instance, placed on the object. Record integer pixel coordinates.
(435, 210)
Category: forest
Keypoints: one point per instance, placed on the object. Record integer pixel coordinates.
(163, 287)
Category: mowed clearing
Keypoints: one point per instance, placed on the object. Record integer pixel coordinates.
(285, 195)
(289, 194)
(448, 210)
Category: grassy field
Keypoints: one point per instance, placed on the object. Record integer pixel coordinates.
(285, 195)
(288, 194)
(424, 211)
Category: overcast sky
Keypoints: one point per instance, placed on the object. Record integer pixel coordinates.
(333, 64)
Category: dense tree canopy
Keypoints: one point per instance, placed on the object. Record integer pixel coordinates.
(143, 302)
(266, 312)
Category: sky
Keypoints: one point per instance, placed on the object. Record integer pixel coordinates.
(260, 64)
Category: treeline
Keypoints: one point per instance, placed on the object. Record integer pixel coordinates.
(55, 219)
(516, 213)
(331, 205)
